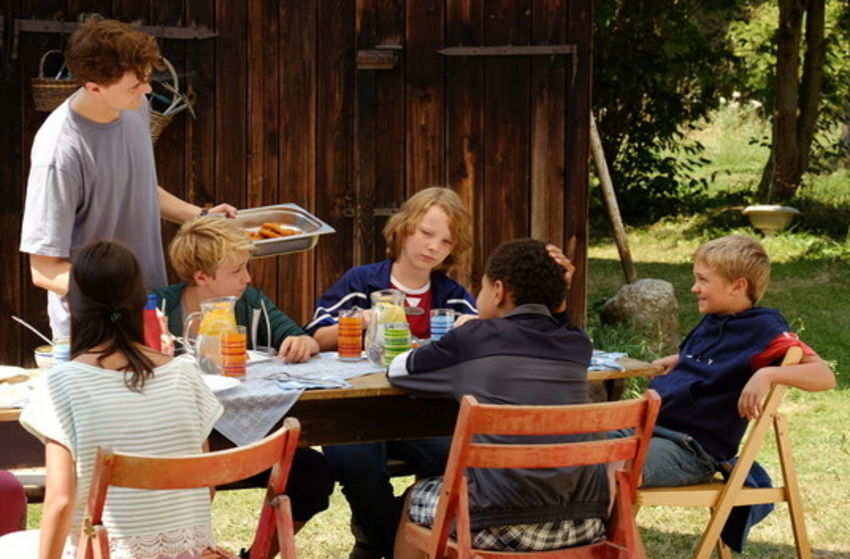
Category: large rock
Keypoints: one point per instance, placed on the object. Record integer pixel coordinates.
(650, 307)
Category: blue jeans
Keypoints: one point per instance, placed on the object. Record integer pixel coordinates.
(361, 469)
(674, 459)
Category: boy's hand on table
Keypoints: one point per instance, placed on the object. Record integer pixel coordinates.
(752, 396)
(297, 349)
(667, 363)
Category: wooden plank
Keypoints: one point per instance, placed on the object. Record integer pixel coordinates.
(548, 87)
(424, 92)
(298, 147)
(159, 31)
(577, 109)
(376, 59)
(231, 125)
(168, 150)
(263, 67)
(77, 7)
(388, 190)
(201, 146)
(33, 300)
(465, 130)
(131, 10)
(365, 136)
(16, 342)
(510, 50)
(507, 156)
(335, 77)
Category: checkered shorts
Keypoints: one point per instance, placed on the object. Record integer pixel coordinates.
(517, 537)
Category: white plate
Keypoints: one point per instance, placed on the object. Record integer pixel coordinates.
(217, 383)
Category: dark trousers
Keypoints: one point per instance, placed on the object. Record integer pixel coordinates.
(361, 469)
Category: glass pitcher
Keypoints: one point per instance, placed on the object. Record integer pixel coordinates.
(387, 311)
(216, 317)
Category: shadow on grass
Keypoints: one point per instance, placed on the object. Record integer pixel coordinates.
(673, 545)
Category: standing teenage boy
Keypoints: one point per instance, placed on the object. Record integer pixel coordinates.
(92, 173)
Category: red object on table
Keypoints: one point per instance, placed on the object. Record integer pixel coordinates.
(153, 332)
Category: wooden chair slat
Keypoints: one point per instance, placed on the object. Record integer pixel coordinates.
(551, 455)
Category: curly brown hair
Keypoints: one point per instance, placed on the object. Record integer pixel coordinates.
(530, 275)
(103, 51)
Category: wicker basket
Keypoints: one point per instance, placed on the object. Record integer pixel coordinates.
(159, 122)
(48, 93)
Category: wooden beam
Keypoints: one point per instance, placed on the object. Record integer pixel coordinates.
(159, 31)
(509, 50)
(376, 59)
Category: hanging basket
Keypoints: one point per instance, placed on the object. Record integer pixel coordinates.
(178, 102)
(49, 93)
(159, 122)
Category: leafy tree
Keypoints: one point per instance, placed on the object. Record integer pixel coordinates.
(658, 67)
(822, 31)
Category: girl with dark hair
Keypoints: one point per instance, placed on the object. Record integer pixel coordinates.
(117, 392)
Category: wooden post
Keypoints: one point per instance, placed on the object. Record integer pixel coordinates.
(611, 203)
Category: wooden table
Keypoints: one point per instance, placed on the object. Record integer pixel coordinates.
(370, 410)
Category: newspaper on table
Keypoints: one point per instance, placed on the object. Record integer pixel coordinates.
(606, 361)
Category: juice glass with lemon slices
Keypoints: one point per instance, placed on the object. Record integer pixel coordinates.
(387, 312)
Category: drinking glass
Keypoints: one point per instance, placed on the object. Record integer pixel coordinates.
(350, 337)
(233, 352)
(441, 322)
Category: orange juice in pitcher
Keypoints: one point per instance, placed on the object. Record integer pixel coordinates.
(216, 317)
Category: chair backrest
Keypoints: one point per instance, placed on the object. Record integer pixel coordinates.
(484, 419)
(187, 472)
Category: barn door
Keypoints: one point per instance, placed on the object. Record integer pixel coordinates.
(489, 97)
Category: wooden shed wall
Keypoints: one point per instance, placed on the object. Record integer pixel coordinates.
(285, 115)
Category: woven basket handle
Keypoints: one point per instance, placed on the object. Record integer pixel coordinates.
(176, 98)
(43, 58)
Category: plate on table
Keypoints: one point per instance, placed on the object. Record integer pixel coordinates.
(217, 383)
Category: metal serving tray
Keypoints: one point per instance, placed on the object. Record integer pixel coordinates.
(288, 215)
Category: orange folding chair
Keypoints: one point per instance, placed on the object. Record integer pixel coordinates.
(200, 470)
(722, 496)
(479, 419)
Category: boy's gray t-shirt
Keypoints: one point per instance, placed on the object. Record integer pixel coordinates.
(92, 181)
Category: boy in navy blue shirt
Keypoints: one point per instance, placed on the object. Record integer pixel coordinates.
(725, 366)
(519, 353)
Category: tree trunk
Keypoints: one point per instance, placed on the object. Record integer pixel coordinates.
(812, 84)
(786, 160)
(796, 105)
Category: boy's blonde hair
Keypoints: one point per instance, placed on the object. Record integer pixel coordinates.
(738, 256)
(204, 244)
(404, 222)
